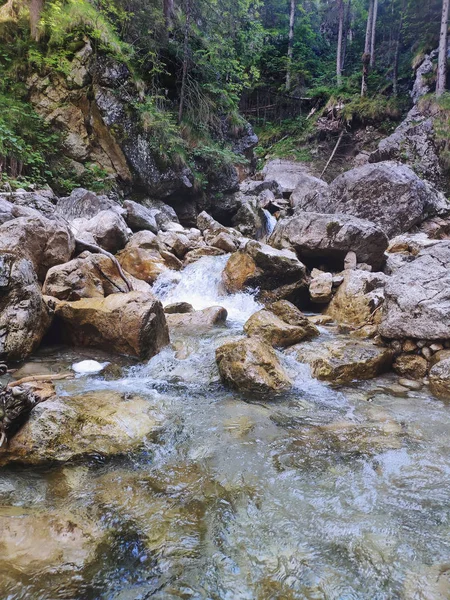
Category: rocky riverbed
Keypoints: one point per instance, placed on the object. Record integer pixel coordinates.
(265, 408)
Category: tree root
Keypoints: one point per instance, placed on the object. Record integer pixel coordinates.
(32, 378)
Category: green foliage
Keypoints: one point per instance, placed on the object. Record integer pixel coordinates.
(287, 139)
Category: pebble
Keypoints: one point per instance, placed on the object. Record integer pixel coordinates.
(426, 352)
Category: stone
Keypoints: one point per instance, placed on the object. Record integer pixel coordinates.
(306, 184)
(321, 287)
(175, 242)
(250, 187)
(410, 243)
(251, 366)
(250, 219)
(343, 360)
(426, 352)
(94, 424)
(411, 366)
(439, 378)
(44, 242)
(224, 241)
(88, 276)
(133, 324)
(436, 347)
(330, 237)
(260, 265)
(178, 307)
(321, 320)
(284, 329)
(411, 384)
(387, 193)
(107, 229)
(197, 320)
(288, 174)
(358, 301)
(164, 215)
(139, 217)
(24, 318)
(427, 582)
(83, 204)
(441, 355)
(409, 346)
(142, 263)
(194, 255)
(417, 297)
(350, 261)
(42, 201)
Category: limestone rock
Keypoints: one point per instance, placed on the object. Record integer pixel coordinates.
(132, 323)
(107, 229)
(44, 242)
(139, 217)
(286, 173)
(142, 263)
(281, 324)
(178, 307)
(194, 255)
(321, 286)
(342, 360)
(418, 296)
(412, 366)
(330, 237)
(196, 321)
(440, 379)
(387, 193)
(306, 184)
(251, 367)
(24, 318)
(83, 204)
(98, 423)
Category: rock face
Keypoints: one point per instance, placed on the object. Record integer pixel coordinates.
(44, 242)
(132, 323)
(387, 193)
(100, 423)
(440, 379)
(281, 324)
(24, 317)
(331, 237)
(358, 299)
(418, 297)
(260, 265)
(88, 276)
(342, 360)
(252, 367)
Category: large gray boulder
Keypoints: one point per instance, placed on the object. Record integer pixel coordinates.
(417, 297)
(286, 173)
(312, 235)
(139, 217)
(24, 317)
(107, 229)
(83, 204)
(40, 200)
(44, 242)
(306, 184)
(388, 193)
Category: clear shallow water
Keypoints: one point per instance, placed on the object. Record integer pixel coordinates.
(332, 494)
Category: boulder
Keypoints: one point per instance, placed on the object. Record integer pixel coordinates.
(411, 366)
(261, 266)
(306, 185)
(250, 219)
(281, 324)
(107, 229)
(139, 217)
(142, 263)
(342, 360)
(358, 299)
(24, 318)
(440, 379)
(387, 193)
(286, 173)
(178, 307)
(224, 241)
(41, 201)
(88, 276)
(98, 423)
(250, 187)
(176, 242)
(163, 214)
(83, 204)
(417, 297)
(251, 366)
(194, 255)
(197, 320)
(132, 323)
(44, 242)
(321, 287)
(330, 237)
(410, 244)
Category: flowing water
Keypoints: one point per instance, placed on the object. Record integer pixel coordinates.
(334, 494)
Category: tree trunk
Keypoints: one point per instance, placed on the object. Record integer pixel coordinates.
(397, 52)
(442, 60)
(290, 44)
(168, 13)
(366, 55)
(339, 43)
(373, 32)
(35, 8)
(187, 29)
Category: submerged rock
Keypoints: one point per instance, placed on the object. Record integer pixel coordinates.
(280, 324)
(132, 323)
(100, 423)
(342, 360)
(24, 317)
(252, 367)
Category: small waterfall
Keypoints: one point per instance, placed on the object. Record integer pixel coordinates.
(200, 284)
(270, 222)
